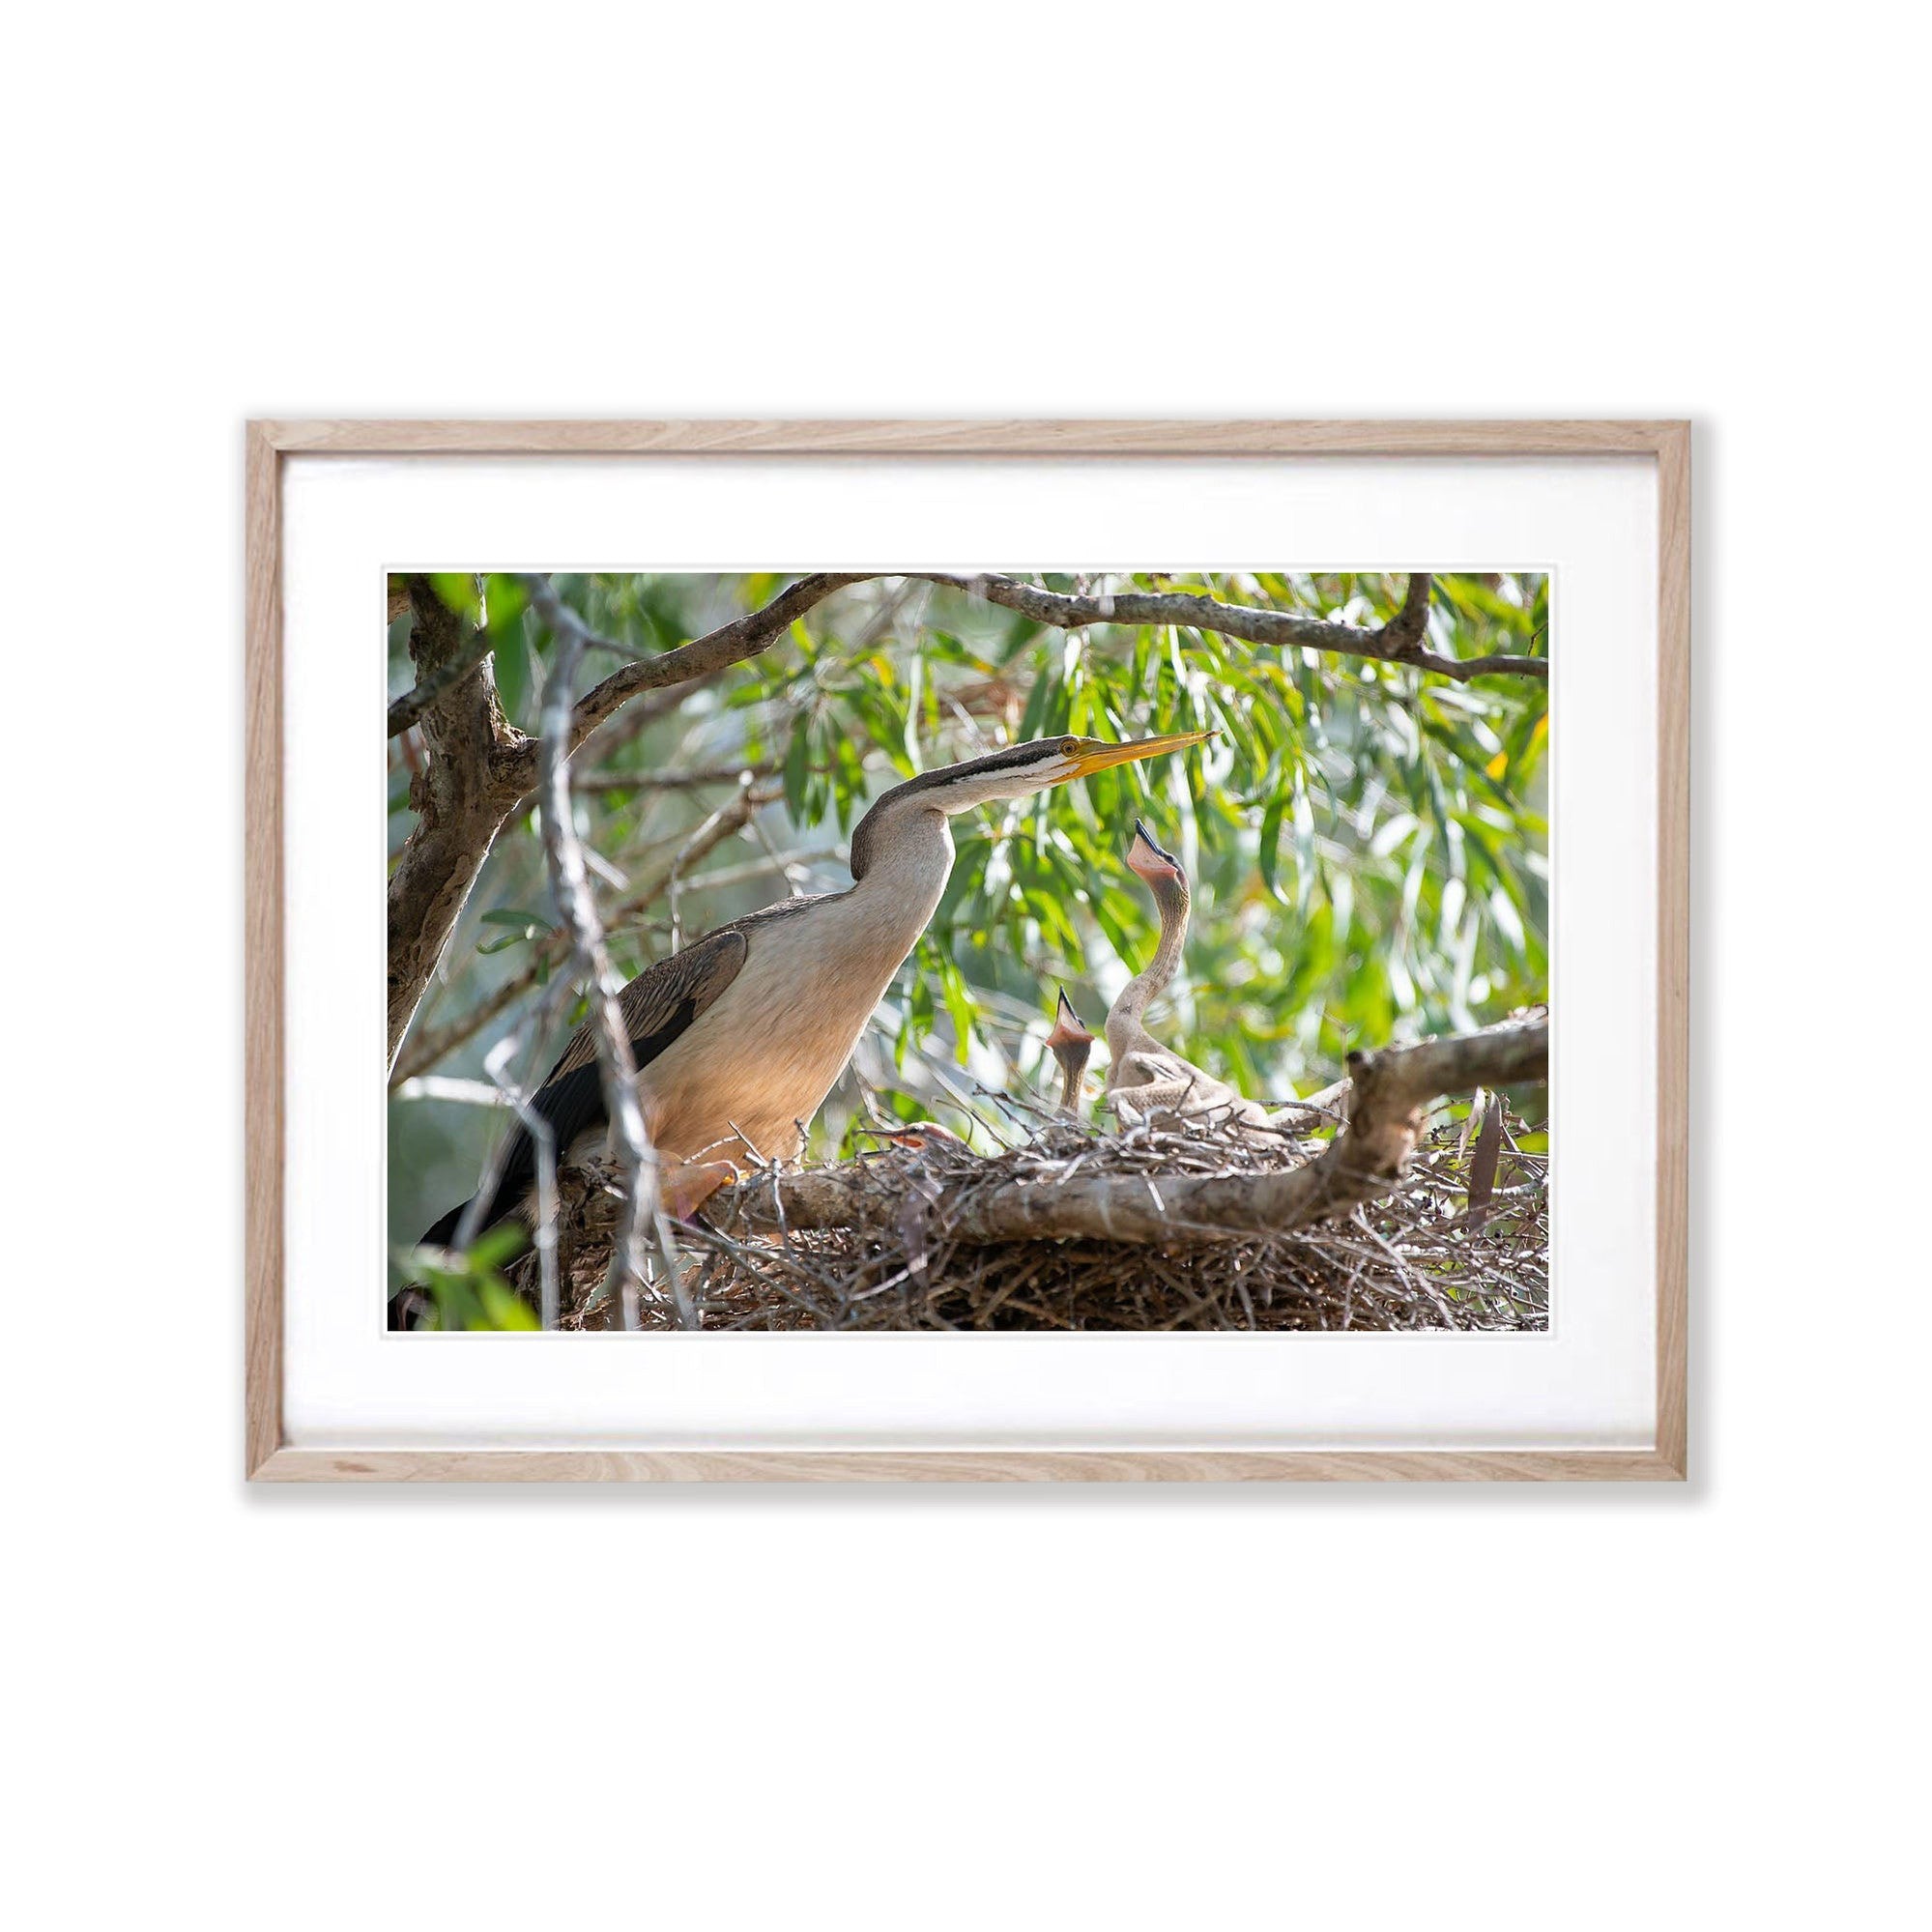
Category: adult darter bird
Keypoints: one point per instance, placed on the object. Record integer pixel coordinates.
(740, 1037)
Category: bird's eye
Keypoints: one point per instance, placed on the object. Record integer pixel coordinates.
(1069, 746)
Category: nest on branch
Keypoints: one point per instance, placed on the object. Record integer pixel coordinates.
(907, 1238)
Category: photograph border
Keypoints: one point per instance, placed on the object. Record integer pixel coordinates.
(269, 1457)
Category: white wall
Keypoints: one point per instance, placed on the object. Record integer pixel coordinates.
(1498, 1709)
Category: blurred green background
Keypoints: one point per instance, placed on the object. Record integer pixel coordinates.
(1368, 843)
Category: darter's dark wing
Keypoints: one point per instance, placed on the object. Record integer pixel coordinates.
(656, 1006)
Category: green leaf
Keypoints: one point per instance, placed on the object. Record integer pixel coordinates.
(503, 1307)
(503, 1243)
(504, 601)
(959, 1009)
(1269, 854)
(798, 765)
(512, 663)
(457, 589)
(1033, 720)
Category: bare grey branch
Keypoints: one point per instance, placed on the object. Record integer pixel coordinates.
(577, 909)
(1390, 1092)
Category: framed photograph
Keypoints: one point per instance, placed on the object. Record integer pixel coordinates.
(968, 951)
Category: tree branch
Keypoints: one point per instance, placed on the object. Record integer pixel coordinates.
(1409, 626)
(1390, 1094)
(703, 658)
(577, 908)
(405, 710)
(634, 720)
(459, 805)
(672, 781)
(614, 733)
(1397, 642)
(437, 1043)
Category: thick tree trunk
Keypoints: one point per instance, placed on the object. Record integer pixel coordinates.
(462, 797)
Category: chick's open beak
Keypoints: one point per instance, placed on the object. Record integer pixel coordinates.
(1067, 1028)
(1094, 755)
(1147, 858)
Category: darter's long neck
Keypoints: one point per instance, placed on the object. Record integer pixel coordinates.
(907, 868)
(1072, 1070)
(1124, 1016)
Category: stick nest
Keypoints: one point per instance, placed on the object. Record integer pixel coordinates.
(1423, 1256)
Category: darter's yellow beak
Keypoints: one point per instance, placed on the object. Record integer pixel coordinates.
(1091, 755)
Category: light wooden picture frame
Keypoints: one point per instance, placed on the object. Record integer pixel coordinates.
(270, 1455)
